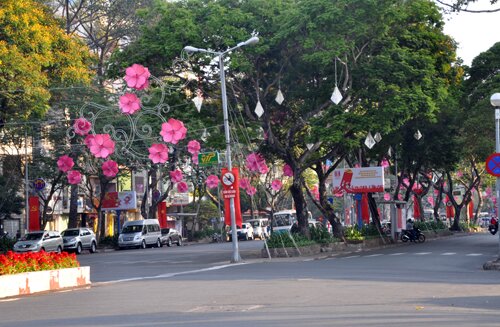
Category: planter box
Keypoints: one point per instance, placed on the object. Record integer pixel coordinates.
(42, 281)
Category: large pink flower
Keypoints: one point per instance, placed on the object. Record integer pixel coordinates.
(109, 168)
(129, 103)
(137, 76)
(251, 190)
(158, 153)
(182, 187)
(173, 131)
(88, 140)
(212, 181)
(244, 183)
(74, 177)
(101, 146)
(82, 126)
(287, 170)
(263, 168)
(176, 176)
(276, 185)
(194, 147)
(65, 163)
(255, 162)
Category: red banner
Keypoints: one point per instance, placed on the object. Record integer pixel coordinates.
(450, 212)
(231, 189)
(34, 213)
(416, 208)
(365, 209)
(162, 214)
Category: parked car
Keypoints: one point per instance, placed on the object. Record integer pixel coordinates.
(260, 227)
(78, 239)
(170, 236)
(49, 241)
(244, 232)
(140, 234)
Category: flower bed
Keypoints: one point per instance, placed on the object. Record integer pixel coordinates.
(28, 273)
(15, 263)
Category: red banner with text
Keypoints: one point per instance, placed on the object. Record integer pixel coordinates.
(34, 213)
(231, 189)
(162, 214)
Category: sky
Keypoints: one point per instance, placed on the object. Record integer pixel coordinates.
(475, 33)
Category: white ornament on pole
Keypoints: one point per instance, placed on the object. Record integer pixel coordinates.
(336, 95)
(378, 137)
(309, 145)
(417, 135)
(259, 111)
(279, 97)
(198, 100)
(370, 141)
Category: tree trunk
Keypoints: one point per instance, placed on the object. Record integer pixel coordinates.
(300, 205)
(73, 207)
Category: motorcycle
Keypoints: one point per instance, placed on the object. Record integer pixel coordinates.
(415, 235)
(493, 226)
(217, 238)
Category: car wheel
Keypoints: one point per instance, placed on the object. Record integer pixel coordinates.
(78, 248)
(158, 243)
(93, 247)
(59, 249)
(143, 244)
(169, 242)
(179, 241)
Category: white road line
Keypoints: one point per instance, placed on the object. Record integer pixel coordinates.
(449, 253)
(398, 253)
(422, 253)
(352, 256)
(373, 255)
(474, 254)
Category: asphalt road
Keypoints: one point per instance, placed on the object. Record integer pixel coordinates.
(438, 283)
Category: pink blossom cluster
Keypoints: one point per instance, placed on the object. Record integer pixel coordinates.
(176, 177)
(194, 148)
(255, 163)
(65, 164)
(249, 188)
(212, 181)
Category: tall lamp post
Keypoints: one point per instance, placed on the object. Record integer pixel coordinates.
(220, 55)
(495, 102)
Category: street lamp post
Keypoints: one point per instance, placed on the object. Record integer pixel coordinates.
(190, 49)
(495, 102)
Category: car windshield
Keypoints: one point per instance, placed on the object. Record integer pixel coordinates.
(32, 236)
(71, 232)
(165, 231)
(255, 223)
(132, 229)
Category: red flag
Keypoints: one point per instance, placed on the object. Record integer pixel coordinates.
(34, 213)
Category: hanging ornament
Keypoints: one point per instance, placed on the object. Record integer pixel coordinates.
(204, 135)
(417, 135)
(336, 95)
(279, 97)
(389, 152)
(370, 141)
(309, 145)
(198, 100)
(259, 111)
(378, 137)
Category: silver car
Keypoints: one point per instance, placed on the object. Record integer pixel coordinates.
(49, 241)
(78, 239)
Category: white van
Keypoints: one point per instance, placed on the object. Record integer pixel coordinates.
(140, 233)
(259, 227)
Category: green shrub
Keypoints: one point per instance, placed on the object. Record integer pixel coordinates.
(369, 230)
(353, 233)
(321, 235)
(205, 232)
(6, 244)
(279, 240)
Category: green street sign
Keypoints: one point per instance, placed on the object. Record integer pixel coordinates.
(208, 158)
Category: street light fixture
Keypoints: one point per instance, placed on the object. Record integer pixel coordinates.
(190, 49)
(495, 102)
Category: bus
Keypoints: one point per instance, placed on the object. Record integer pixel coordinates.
(283, 220)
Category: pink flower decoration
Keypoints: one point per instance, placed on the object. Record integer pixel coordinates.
(194, 147)
(88, 140)
(173, 131)
(244, 183)
(251, 190)
(384, 163)
(212, 181)
(74, 177)
(82, 126)
(276, 185)
(255, 162)
(287, 170)
(263, 168)
(430, 199)
(182, 187)
(387, 196)
(109, 168)
(158, 153)
(65, 163)
(176, 176)
(460, 174)
(129, 103)
(101, 145)
(137, 76)
(194, 158)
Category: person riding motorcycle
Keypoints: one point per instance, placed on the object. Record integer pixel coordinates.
(493, 227)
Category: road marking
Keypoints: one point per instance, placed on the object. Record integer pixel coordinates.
(449, 253)
(398, 253)
(422, 253)
(373, 255)
(474, 254)
(352, 256)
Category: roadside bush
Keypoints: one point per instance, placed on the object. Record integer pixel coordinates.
(111, 241)
(205, 232)
(321, 235)
(6, 244)
(369, 230)
(15, 263)
(353, 233)
(430, 225)
(279, 240)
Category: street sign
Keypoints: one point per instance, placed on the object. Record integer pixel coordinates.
(208, 158)
(493, 164)
(39, 184)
